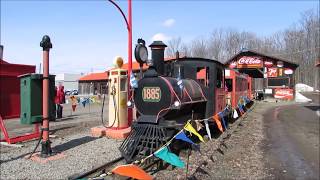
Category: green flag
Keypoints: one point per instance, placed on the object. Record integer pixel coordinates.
(169, 157)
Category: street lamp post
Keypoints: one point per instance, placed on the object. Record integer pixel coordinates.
(129, 28)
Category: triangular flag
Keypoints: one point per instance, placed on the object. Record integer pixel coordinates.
(222, 119)
(182, 136)
(216, 119)
(207, 128)
(235, 114)
(169, 157)
(133, 81)
(74, 107)
(132, 171)
(83, 103)
(240, 108)
(189, 128)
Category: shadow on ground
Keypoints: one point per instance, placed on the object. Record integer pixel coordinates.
(73, 143)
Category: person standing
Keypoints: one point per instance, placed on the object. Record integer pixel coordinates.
(59, 100)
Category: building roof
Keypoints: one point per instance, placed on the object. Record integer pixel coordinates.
(251, 52)
(104, 75)
(8, 69)
(95, 77)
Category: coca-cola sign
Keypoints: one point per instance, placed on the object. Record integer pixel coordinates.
(249, 62)
(283, 93)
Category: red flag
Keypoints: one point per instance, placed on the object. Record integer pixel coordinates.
(132, 171)
(74, 107)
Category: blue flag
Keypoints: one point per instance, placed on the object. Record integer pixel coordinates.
(133, 81)
(169, 157)
(223, 121)
(182, 136)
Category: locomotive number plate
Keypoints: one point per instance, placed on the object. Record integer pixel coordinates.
(151, 94)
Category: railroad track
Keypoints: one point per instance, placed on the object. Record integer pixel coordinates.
(107, 167)
(98, 170)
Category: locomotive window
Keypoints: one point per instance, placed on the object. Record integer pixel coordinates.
(219, 78)
(283, 82)
(203, 75)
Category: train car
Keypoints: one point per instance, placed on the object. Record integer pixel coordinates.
(250, 88)
(169, 94)
(237, 85)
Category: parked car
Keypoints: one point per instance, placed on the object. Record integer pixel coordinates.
(75, 92)
(67, 92)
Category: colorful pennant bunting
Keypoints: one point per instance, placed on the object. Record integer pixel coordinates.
(133, 81)
(169, 157)
(235, 114)
(132, 171)
(182, 136)
(207, 128)
(216, 119)
(222, 119)
(189, 128)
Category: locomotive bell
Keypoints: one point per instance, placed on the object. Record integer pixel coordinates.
(157, 49)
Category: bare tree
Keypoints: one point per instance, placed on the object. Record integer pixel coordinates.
(174, 45)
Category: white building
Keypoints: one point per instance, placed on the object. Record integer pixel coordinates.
(69, 81)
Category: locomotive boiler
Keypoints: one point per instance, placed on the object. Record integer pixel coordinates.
(170, 93)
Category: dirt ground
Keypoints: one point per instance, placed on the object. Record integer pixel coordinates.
(248, 152)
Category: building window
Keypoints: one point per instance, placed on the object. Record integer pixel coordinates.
(279, 82)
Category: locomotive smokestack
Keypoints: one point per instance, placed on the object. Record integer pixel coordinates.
(157, 49)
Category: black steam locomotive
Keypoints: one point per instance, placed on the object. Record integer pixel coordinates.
(170, 93)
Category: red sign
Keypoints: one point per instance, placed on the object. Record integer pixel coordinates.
(283, 94)
(249, 62)
(268, 64)
(272, 72)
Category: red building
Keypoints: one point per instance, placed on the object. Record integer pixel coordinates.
(271, 75)
(10, 87)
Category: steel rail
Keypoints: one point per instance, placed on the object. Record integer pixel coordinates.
(97, 169)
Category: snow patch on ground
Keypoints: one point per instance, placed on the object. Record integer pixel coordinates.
(303, 88)
(301, 98)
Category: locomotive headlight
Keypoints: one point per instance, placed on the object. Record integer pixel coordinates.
(176, 104)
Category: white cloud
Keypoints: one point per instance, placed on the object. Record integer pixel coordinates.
(160, 37)
(169, 22)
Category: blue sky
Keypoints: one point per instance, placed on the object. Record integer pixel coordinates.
(87, 35)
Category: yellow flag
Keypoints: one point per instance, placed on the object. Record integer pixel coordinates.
(189, 128)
